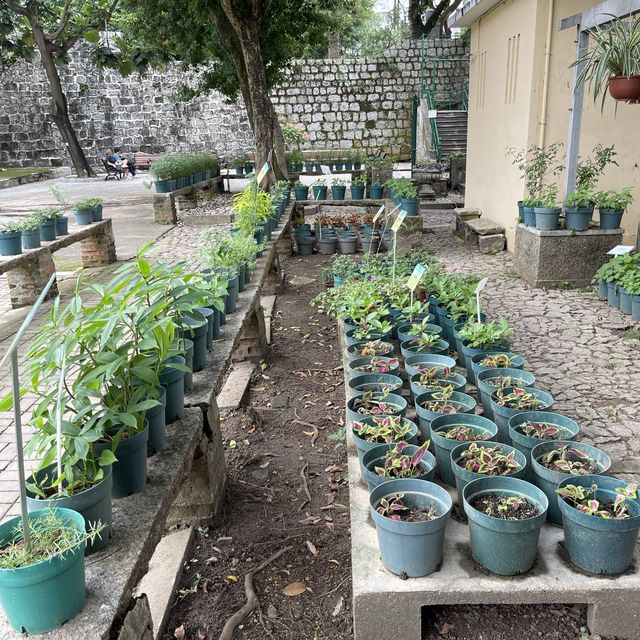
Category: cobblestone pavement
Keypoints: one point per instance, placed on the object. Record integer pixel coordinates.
(578, 348)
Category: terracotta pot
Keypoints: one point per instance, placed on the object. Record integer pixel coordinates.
(625, 88)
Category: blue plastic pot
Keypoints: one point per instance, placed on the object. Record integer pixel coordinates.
(363, 446)
(505, 547)
(569, 431)
(43, 596)
(413, 364)
(464, 477)
(613, 294)
(353, 350)
(163, 186)
(48, 230)
(62, 226)
(319, 193)
(353, 339)
(502, 415)
(398, 406)
(519, 377)
(338, 191)
(357, 191)
(360, 362)
(85, 216)
(520, 211)
(30, 239)
(468, 353)
(602, 290)
(476, 367)
(578, 218)
(529, 216)
(11, 243)
(410, 205)
(157, 424)
(301, 193)
(359, 385)
(412, 549)
(625, 301)
(635, 308)
(232, 291)
(439, 347)
(375, 192)
(375, 456)
(548, 479)
(598, 545)
(457, 381)
(611, 218)
(209, 314)
(96, 213)
(463, 403)
(547, 218)
(172, 380)
(404, 335)
(443, 446)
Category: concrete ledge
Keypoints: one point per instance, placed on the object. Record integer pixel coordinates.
(385, 607)
(551, 258)
(50, 174)
(166, 205)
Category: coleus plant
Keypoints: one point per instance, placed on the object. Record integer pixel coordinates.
(441, 402)
(378, 365)
(541, 430)
(519, 398)
(461, 433)
(372, 327)
(505, 507)
(585, 500)
(497, 361)
(490, 461)
(374, 348)
(399, 465)
(435, 377)
(423, 342)
(570, 460)
(393, 507)
(502, 382)
(368, 404)
(383, 430)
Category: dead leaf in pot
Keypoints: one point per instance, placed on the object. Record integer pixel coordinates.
(295, 589)
(179, 633)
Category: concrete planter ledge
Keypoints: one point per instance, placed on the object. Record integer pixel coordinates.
(167, 205)
(385, 607)
(562, 257)
(185, 482)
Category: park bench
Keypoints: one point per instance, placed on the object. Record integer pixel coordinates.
(29, 272)
(112, 172)
(143, 160)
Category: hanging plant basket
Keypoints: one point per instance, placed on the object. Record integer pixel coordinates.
(625, 89)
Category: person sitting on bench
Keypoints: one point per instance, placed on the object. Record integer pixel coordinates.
(116, 162)
(117, 153)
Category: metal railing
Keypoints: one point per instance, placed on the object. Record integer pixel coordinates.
(12, 353)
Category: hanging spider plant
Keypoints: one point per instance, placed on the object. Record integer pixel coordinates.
(613, 61)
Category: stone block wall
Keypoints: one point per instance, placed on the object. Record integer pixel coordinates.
(342, 102)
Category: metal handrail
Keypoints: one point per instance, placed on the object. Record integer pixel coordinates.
(15, 384)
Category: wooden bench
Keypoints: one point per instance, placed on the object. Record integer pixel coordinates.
(112, 172)
(29, 272)
(143, 160)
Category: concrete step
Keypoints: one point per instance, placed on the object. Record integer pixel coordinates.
(268, 303)
(231, 394)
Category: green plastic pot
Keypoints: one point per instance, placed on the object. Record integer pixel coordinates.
(338, 192)
(378, 382)
(635, 308)
(375, 191)
(172, 381)
(197, 332)
(187, 350)
(209, 315)
(439, 347)
(463, 403)
(613, 294)
(374, 457)
(476, 367)
(362, 446)
(505, 547)
(548, 479)
(457, 381)
(502, 415)
(93, 504)
(524, 443)
(45, 595)
(96, 213)
(410, 205)
(48, 230)
(625, 301)
(598, 545)
(62, 226)
(352, 349)
(214, 326)
(468, 353)
(413, 364)
(524, 379)
(602, 290)
(578, 218)
(398, 406)
(301, 193)
(11, 243)
(232, 290)
(411, 549)
(547, 218)
(319, 193)
(529, 216)
(359, 362)
(404, 335)
(352, 339)
(357, 191)
(130, 471)
(85, 216)
(444, 446)
(241, 277)
(611, 218)
(157, 424)
(30, 239)
(464, 477)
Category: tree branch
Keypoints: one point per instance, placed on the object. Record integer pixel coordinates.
(66, 16)
(14, 6)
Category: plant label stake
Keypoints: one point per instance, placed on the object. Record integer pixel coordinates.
(386, 222)
(481, 285)
(620, 250)
(375, 219)
(414, 278)
(395, 228)
(325, 169)
(263, 172)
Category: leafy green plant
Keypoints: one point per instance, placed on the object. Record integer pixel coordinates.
(337, 182)
(519, 398)
(614, 200)
(497, 361)
(581, 198)
(618, 268)
(422, 327)
(435, 377)
(399, 465)
(441, 402)
(586, 500)
(89, 203)
(541, 430)
(378, 364)
(374, 403)
(481, 335)
(359, 181)
(344, 266)
(490, 461)
(385, 429)
(393, 507)
(462, 433)
(589, 170)
(537, 165)
(570, 460)
(374, 348)
(47, 213)
(12, 227)
(505, 507)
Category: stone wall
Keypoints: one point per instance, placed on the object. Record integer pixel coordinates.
(342, 103)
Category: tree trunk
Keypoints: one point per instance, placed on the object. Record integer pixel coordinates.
(59, 108)
(416, 7)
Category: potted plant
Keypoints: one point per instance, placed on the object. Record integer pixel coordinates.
(368, 349)
(166, 171)
(49, 572)
(559, 459)
(480, 458)
(410, 517)
(376, 404)
(363, 383)
(301, 191)
(415, 329)
(529, 428)
(62, 221)
(507, 401)
(578, 209)
(46, 217)
(484, 338)
(397, 460)
(495, 360)
(338, 189)
(84, 211)
(11, 238)
(489, 380)
(415, 363)
(238, 163)
(320, 189)
(434, 379)
(631, 285)
(409, 200)
(425, 343)
(358, 184)
(601, 519)
(372, 431)
(376, 191)
(342, 268)
(373, 365)
(505, 517)
(612, 205)
(546, 209)
(431, 404)
(448, 431)
(613, 60)
(31, 233)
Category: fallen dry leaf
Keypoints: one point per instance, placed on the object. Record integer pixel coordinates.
(295, 588)
(179, 633)
(272, 613)
(312, 548)
(445, 627)
(338, 607)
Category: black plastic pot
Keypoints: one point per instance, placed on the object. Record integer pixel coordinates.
(232, 290)
(197, 333)
(157, 424)
(172, 381)
(209, 314)
(187, 346)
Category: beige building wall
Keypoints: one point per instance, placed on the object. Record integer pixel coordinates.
(513, 102)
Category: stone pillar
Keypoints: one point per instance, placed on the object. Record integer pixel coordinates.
(99, 249)
(164, 209)
(27, 281)
(186, 200)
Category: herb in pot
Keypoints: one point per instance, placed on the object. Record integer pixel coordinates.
(424, 342)
(393, 507)
(488, 461)
(481, 335)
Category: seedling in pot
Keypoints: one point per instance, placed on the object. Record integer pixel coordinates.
(463, 434)
(541, 430)
(488, 461)
(398, 465)
(378, 365)
(367, 405)
(502, 382)
(505, 507)
(423, 342)
(568, 459)
(480, 335)
(435, 377)
(393, 507)
(441, 403)
(519, 399)
(497, 361)
(383, 430)
(584, 499)
(420, 329)
(366, 329)
(374, 348)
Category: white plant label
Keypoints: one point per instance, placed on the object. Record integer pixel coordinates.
(415, 277)
(325, 169)
(263, 173)
(378, 214)
(398, 221)
(432, 113)
(620, 250)
(479, 287)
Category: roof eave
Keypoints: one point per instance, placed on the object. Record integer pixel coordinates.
(470, 11)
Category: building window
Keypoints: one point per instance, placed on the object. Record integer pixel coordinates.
(482, 80)
(511, 82)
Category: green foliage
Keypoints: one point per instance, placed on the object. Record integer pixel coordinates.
(581, 198)
(344, 266)
(618, 268)
(251, 206)
(170, 167)
(12, 227)
(88, 203)
(590, 169)
(537, 164)
(614, 200)
(222, 250)
(46, 213)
